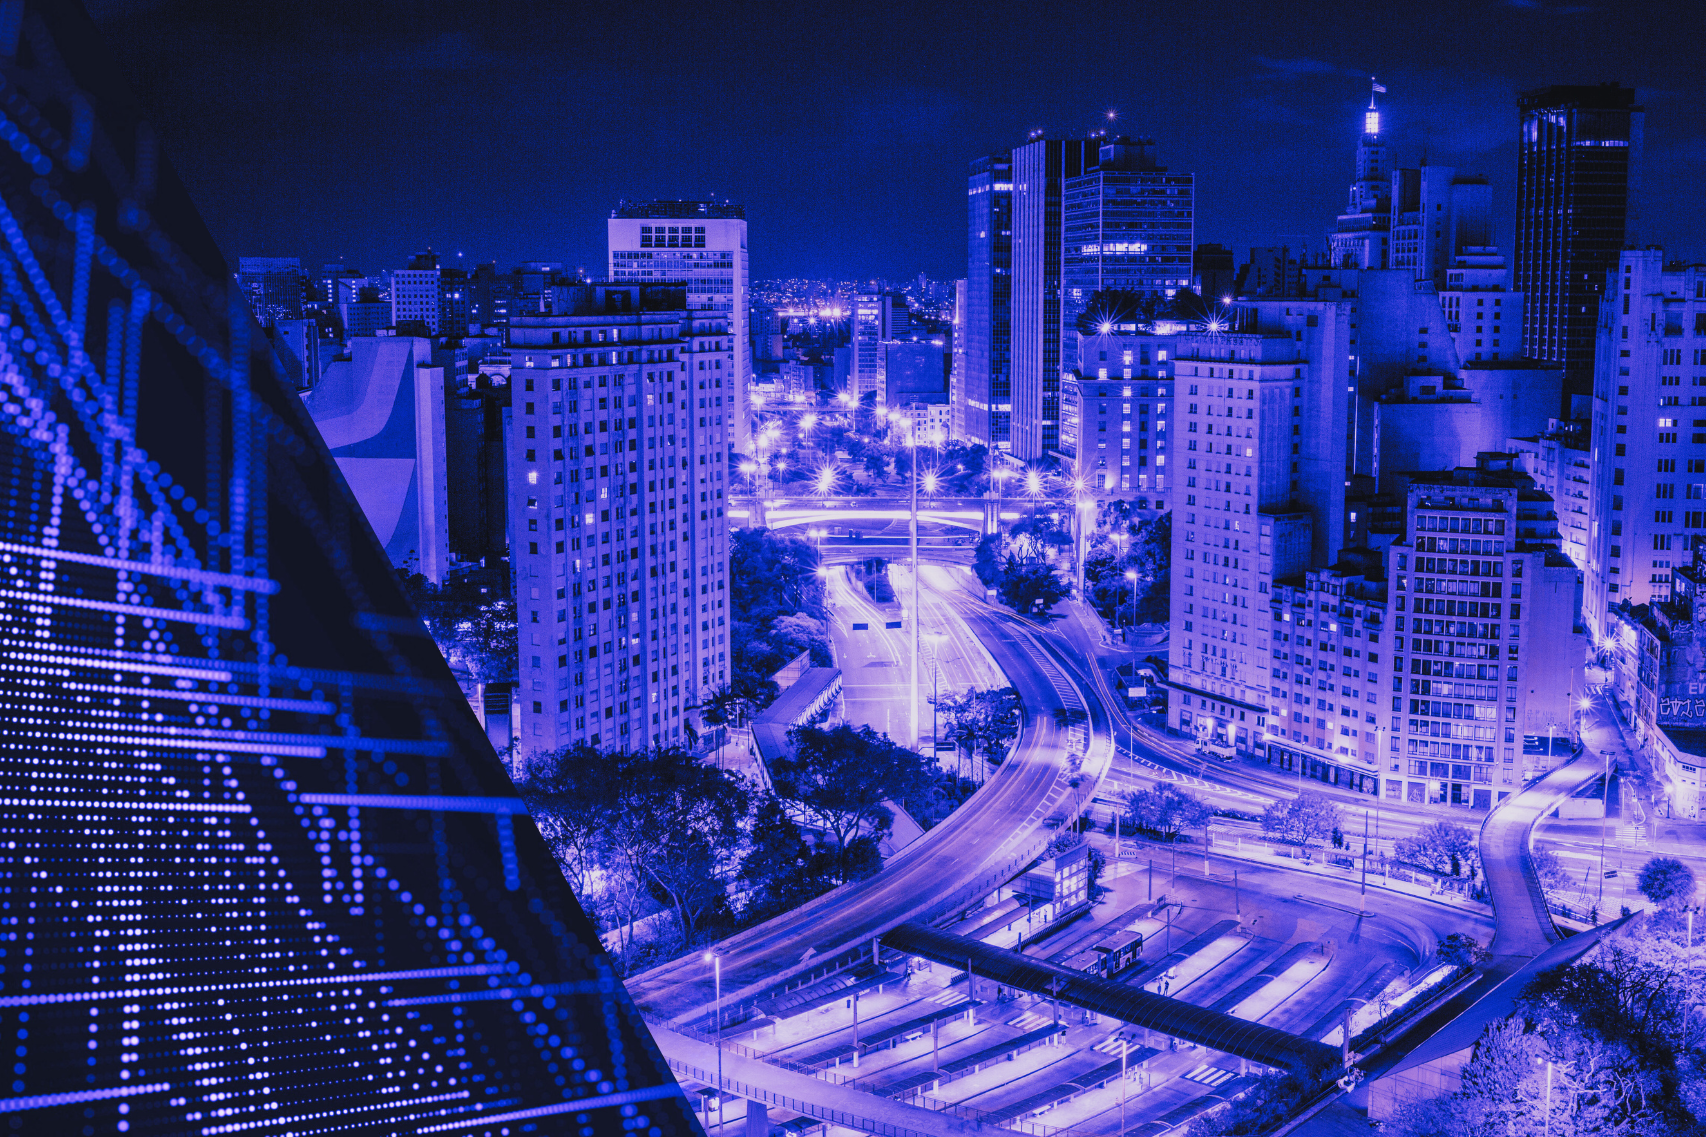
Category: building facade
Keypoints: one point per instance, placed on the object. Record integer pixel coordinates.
(1481, 314)
(1649, 432)
(704, 244)
(874, 319)
(1437, 213)
(618, 449)
(415, 297)
(1577, 160)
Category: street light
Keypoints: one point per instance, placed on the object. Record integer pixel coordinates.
(716, 962)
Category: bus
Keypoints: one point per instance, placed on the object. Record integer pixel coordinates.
(1120, 952)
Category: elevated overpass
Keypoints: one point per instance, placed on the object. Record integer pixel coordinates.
(973, 514)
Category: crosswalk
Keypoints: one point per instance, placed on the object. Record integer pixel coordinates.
(1211, 1075)
(1030, 1020)
(950, 998)
(1631, 835)
(1111, 1046)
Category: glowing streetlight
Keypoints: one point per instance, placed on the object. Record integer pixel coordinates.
(931, 482)
(716, 962)
(825, 480)
(1131, 575)
(1033, 483)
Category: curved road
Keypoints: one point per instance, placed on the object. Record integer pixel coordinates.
(978, 846)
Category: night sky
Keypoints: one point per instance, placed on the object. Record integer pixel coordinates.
(368, 130)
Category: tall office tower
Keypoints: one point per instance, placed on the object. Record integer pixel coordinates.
(1492, 650)
(1127, 224)
(1108, 435)
(704, 244)
(1259, 457)
(1575, 177)
(984, 401)
(1436, 215)
(275, 286)
(1362, 236)
(415, 293)
(1481, 314)
(491, 295)
(875, 319)
(618, 461)
(1649, 432)
(957, 365)
(1041, 169)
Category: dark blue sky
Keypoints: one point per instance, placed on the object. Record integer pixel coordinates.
(507, 131)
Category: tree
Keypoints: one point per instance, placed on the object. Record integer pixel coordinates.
(1304, 820)
(987, 563)
(983, 722)
(841, 777)
(1667, 882)
(1030, 589)
(1553, 876)
(1439, 847)
(1460, 950)
(1118, 308)
(1166, 811)
(777, 611)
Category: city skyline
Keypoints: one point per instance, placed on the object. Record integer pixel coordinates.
(1266, 107)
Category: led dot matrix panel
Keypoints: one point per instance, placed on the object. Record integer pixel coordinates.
(260, 872)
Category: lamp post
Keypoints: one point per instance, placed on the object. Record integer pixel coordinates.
(716, 962)
(912, 443)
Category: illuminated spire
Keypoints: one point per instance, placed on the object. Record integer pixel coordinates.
(1371, 117)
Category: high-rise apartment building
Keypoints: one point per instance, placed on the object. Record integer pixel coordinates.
(1041, 170)
(704, 244)
(1259, 456)
(1575, 177)
(1491, 652)
(275, 285)
(1114, 416)
(984, 402)
(1649, 432)
(1363, 234)
(618, 449)
(1127, 224)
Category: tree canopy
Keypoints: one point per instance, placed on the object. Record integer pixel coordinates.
(1167, 811)
(1305, 820)
(841, 777)
(777, 611)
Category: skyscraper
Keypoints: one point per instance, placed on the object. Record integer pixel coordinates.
(704, 244)
(1362, 236)
(1128, 224)
(1576, 166)
(984, 401)
(1041, 169)
(618, 457)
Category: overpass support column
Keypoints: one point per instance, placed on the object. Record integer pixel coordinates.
(757, 1119)
(991, 516)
